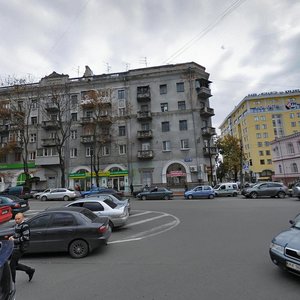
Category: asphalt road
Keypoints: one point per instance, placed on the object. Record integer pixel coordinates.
(176, 249)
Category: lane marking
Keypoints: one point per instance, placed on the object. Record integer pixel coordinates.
(147, 220)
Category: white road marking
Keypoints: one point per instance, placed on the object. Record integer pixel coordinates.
(146, 220)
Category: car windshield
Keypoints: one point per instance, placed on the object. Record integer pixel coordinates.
(5, 200)
(217, 186)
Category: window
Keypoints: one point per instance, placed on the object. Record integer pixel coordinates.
(32, 155)
(280, 168)
(269, 161)
(32, 138)
(257, 126)
(267, 143)
(260, 153)
(122, 149)
(73, 134)
(292, 115)
(74, 117)
(294, 168)
(122, 131)
(165, 126)
(265, 135)
(293, 124)
(34, 104)
(122, 111)
(163, 89)
(264, 126)
(263, 118)
(88, 151)
(166, 146)
(3, 158)
(262, 161)
(180, 87)
(181, 105)
(164, 107)
(33, 120)
(258, 135)
(74, 100)
(121, 94)
(17, 156)
(290, 148)
(73, 152)
(40, 222)
(62, 219)
(256, 118)
(268, 152)
(182, 125)
(105, 151)
(184, 144)
(93, 206)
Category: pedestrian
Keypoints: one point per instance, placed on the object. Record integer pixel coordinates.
(131, 189)
(21, 240)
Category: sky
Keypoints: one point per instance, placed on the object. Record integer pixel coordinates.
(247, 46)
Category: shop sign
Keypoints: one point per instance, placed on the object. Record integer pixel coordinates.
(176, 174)
(81, 175)
(16, 166)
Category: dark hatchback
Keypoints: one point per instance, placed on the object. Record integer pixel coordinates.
(75, 230)
(101, 190)
(285, 248)
(7, 287)
(156, 193)
(17, 205)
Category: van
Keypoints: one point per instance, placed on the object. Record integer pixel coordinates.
(20, 191)
(226, 189)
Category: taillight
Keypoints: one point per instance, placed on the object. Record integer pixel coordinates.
(103, 229)
(17, 205)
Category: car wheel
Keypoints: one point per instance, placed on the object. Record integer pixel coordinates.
(144, 198)
(78, 249)
(211, 197)
(111, 225)
(190, 197)
(66, 198)
(166, 197)
(281, 195)
(44, 198)
(253, 195)
(234, 194)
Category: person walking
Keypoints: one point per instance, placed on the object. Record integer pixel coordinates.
(21, 242)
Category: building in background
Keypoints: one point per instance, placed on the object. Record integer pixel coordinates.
(286, 158)
(258, 120)
(144, 126)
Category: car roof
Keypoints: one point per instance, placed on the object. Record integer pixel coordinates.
(67, 209)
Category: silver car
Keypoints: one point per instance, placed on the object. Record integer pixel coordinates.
(60, 194)
(296, 190)
(117, 214)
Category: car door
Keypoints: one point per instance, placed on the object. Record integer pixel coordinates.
(53, 194)
(198, 192)
(61, 231)
(38, 233)
(263, 190)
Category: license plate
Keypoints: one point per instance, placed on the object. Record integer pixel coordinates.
(23, 205)
(293, 266)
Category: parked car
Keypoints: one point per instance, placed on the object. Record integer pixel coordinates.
(263, 189)
(5, 214)
(285, 248)
(296, 190)
(203, 191)
(38, 194)
(144, 189)
(7, 287)
(117, 214)
(156, 193)
(75, 230)
(113, 198)
(20, 191)
(226, 189)
(102, 190)
(60, 194)
(15, 205)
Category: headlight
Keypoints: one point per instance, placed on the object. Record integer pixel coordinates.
(277, 248)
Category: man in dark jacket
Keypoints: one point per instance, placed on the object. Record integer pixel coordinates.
(21, 242)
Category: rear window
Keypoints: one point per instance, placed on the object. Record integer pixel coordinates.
(110, 203)
(89, 215)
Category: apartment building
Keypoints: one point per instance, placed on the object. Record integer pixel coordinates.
(286, 158)
(151, 126)
(258, 120)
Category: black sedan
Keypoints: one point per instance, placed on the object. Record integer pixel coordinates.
(156, 193)
(17, 205)
(285, 248)
(66, 229)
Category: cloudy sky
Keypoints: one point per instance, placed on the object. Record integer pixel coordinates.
(247, 46)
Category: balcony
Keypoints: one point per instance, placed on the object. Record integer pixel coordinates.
(47, 160)
(143, 94)
(87, 104)
(144, 134)
(103, 138)
(145, 154)
(87, 120)
(105, 119)
(208, 151)
(208, 131)
(207, 112)
(50, 125)
(48, 142)
(144, 115)
(87, 139)
(51, 107)
(203, 92)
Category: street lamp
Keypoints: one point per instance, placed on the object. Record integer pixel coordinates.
(91, 154)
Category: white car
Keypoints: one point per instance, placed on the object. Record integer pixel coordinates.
(37, 195)
(113, 198)
(60, 194)
(117, 214)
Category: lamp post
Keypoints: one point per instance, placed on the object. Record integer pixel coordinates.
(91, 154)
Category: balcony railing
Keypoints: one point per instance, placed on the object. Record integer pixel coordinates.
(208, 131)
(203, 92)
(47, 160)
(145, 154)
(51, 107)
(50, 124)
(87, 120)
(48, 142)
(144, 134)
(87, 139)
(207, 111)
(207, 151)
(144, 115)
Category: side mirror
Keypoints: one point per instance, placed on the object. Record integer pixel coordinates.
(292, 222)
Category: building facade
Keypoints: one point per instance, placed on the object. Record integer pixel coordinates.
(286, 158)
(258, 120)
(145, 126)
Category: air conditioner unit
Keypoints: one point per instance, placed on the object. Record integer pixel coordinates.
(193, 168)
